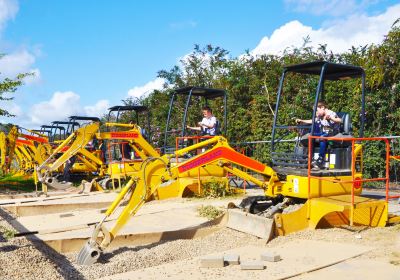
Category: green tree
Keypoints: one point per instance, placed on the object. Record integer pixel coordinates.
(252, 84)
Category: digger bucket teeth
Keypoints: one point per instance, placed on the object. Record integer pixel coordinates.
(252, 224)
(89, 254)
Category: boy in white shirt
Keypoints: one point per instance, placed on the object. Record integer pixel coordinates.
(208, 124)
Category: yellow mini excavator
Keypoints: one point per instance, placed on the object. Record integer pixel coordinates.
(8, 149)
(110, 159)
(295, 196)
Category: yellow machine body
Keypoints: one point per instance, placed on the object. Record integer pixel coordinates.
(333, 211)
(329, 201)
(297, 186)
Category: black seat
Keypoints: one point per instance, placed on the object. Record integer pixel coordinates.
(217, 128)
(344, 130)
(345, 127)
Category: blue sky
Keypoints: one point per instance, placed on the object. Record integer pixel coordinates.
(88, 55)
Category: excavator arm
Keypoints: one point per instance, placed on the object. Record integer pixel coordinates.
(3, 151)
(11, 142)
(74, 144)
(158, 172)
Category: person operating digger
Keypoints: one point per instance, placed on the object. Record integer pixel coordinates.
(208, 125)
(326, 124)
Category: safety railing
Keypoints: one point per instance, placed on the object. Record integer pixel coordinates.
(356, 180)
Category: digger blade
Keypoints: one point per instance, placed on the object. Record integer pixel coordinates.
(252, 224)
(89, 254)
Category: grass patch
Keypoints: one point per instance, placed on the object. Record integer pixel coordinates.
(7, 233)
(17, 183)
(210, 212)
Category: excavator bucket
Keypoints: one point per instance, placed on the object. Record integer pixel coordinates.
(52, 182)
(89, 254)
(250, 223)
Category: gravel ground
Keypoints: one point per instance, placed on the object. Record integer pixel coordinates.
(23, 258)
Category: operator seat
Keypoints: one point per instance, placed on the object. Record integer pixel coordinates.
(144, 133)
(217, 128)
(345, 129)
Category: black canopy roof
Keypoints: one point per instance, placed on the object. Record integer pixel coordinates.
(41, 130)
(65, 122)
(333, 71)
(84, 118)
(53, 126)
(136, 108)
(209, 93)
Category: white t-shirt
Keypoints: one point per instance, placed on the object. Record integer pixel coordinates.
(209, 122)
(329, 125)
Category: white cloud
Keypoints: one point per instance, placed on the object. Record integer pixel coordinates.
(98, 109)
(60, 106)
(8, 10)
(355, 30)
(141, 91)
(19, 62)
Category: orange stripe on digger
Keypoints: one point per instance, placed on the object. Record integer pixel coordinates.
(222, 153)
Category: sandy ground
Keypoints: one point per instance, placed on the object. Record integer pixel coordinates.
(26, 258)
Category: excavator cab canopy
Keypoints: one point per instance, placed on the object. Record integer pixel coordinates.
(330, 71)
(301, 87)
(188, 97)
(60, 129)
(138, 114)
(131, 108)
(51, 131)
(45, 132)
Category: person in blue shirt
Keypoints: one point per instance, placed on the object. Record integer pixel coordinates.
(326, 124)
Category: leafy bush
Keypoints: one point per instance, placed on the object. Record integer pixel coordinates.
(7, 233)
(215, 189)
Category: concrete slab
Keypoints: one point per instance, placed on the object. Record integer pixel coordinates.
(270, 257)
(58, 204)
(155, 221)
(212, 261)
(34, 198)
(252, 265)
(31, 195)
(232, 259)
(298, 257)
